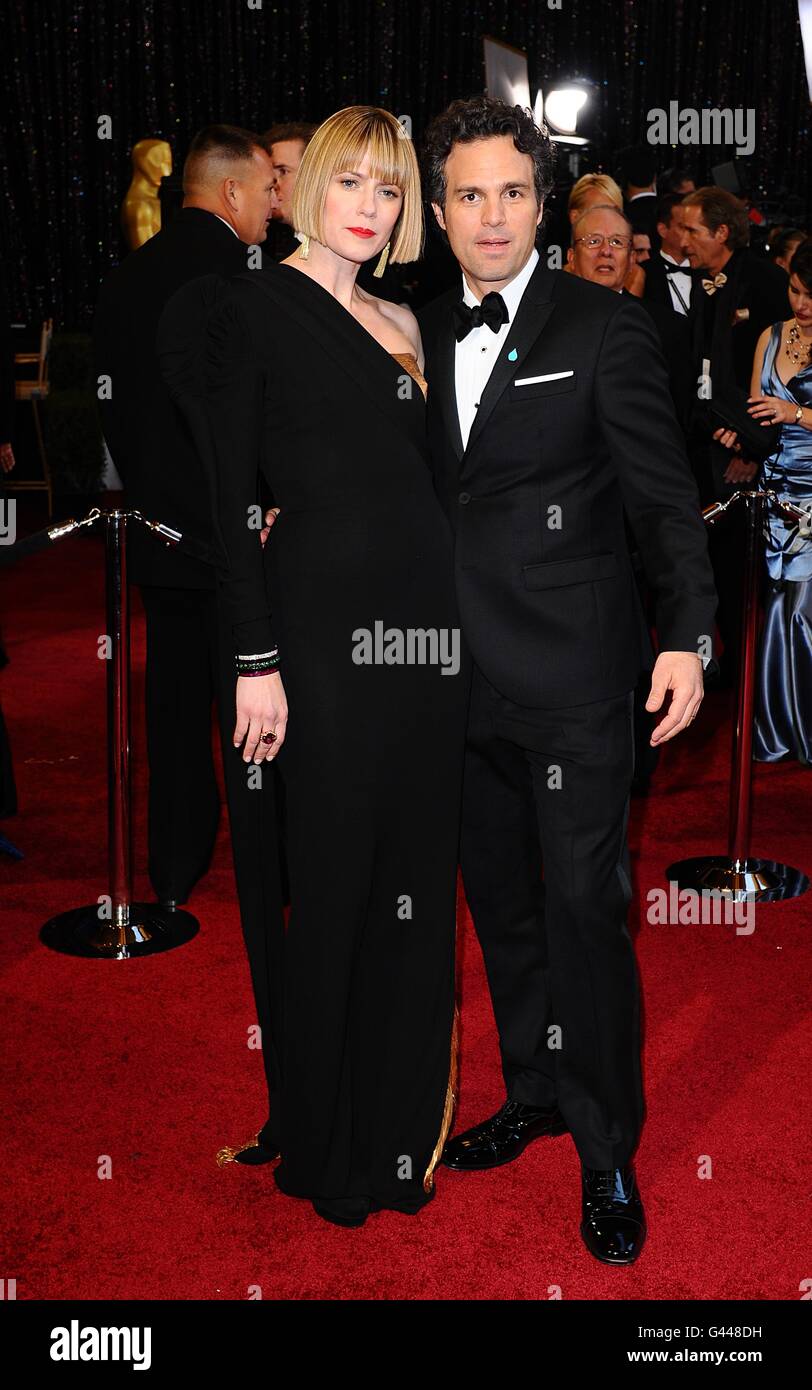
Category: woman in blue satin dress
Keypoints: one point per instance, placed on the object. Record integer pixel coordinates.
(782, 394)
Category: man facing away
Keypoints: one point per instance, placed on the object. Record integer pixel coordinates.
(228, 182)
(227, 179)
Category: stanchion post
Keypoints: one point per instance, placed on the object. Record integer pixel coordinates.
(741, 779)
(118, 719)
(739, 876)
(118, 928)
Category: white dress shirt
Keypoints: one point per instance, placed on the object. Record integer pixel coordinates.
(479, 349)
(679, 285)
(226, 224)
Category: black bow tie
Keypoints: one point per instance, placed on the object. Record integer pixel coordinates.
(492, 311)
(676, 269)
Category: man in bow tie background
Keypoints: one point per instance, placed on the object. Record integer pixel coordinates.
(736, 295)
(549, 416)
(668, 272)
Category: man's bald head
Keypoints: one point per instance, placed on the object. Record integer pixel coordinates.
(607, 261)
(228, 172)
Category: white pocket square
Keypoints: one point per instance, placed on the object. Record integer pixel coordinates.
(550, 376)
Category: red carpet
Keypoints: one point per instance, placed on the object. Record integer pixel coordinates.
(145, 1064)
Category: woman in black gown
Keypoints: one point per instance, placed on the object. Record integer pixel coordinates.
(318, 385)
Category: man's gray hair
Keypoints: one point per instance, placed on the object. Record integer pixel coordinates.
(602, 207)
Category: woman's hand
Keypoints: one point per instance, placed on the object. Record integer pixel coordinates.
(261, 709)
(728, 439)
(270, 518)
(771, 410)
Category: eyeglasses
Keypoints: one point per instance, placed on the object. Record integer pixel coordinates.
(617, 243)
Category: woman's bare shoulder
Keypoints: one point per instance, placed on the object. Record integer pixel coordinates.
(399, 315)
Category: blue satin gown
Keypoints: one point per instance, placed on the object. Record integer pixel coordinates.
(783, 725)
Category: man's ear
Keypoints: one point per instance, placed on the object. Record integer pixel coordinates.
(438, 213)
(541, 213)
(230, 192)
(570, 256)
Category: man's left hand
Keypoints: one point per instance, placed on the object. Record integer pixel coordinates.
(739, 471)
(681, 673)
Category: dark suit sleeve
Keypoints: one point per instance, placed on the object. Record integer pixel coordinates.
(659, 493)
(212, 368)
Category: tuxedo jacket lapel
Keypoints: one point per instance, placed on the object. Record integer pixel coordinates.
(443, 385)
(534, 310)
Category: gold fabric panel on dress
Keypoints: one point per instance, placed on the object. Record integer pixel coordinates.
(409, 361)
(450, 1102)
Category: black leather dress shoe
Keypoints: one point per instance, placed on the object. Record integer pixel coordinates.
(613, 1224)
(501, 1138)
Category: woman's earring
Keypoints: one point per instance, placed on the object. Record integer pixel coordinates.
(304, 249)
(381, 266)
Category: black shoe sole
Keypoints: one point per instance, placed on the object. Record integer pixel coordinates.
(551, 1133)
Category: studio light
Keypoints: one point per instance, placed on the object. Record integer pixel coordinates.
(561, 108)
(805, 17)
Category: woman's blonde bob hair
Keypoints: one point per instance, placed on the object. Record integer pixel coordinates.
(599, 183)
(339, 144)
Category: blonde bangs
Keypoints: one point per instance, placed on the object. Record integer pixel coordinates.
(339, 144)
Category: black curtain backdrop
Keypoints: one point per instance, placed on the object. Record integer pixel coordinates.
(164, 68)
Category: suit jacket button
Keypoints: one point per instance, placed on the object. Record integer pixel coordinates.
(464, 497)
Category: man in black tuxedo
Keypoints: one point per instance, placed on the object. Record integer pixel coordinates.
(736, 295)
(601, 251)
(668, 271)
(227, 190)
(549, 414)
(639, 176)
(228, 183)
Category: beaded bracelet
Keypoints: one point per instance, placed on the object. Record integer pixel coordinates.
(258, 664)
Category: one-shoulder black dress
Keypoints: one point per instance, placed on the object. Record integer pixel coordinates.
(356, 587)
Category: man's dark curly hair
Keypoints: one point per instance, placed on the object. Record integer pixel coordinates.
(477, 119)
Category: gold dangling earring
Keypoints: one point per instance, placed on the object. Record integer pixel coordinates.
(381, 266)
(304, 249)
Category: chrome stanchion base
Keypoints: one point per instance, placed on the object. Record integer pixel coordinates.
(146, 929)
(762, 880)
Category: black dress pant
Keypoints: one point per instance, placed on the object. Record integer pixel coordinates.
(190, 662)
(181, 677)
(552, 787)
